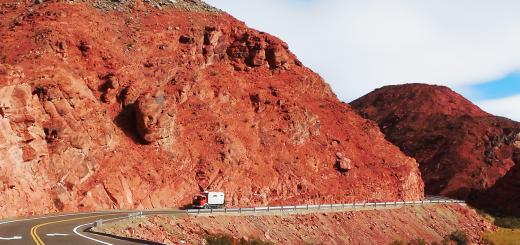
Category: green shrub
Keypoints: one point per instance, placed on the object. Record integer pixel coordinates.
(417, 241)
(221, 239)
(253, 242)
(397, 242)
(508, 222)
(458, 237)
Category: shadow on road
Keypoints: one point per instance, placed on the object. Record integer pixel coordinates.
(137, 241)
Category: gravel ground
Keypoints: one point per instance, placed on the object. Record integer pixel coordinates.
(122, 5)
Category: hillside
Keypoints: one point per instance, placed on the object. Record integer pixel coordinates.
(462, 150)
(430, 223)
(142, 104)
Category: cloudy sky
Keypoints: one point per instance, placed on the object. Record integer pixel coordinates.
(472, 46)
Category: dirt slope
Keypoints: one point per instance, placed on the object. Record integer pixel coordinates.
(431, 223)
(461, 149)
(136, 104)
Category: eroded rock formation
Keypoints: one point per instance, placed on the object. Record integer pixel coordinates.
(138, 104)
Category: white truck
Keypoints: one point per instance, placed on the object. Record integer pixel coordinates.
(209, 199)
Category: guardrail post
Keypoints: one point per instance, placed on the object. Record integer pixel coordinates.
(307, 206)
(268, 208)
(239, 210)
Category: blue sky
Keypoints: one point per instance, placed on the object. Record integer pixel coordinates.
(495, 89)
(471, 46)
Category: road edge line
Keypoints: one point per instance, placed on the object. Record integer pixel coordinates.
(75, 230)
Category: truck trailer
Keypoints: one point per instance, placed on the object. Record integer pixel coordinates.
(208, 199)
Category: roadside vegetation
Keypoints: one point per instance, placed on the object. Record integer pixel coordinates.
(457, 237)
(220, 239)
(508, 222)
(508, 232)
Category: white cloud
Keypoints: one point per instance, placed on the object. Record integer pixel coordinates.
(360, 45)
(506, 107)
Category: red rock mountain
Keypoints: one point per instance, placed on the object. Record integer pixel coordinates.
(462, 150)
(142, 104)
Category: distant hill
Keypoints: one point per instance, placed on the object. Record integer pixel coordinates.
(462, 150)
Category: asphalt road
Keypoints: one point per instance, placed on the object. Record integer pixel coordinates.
(64, 229)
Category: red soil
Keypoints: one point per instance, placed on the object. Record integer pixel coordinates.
(431, 223)
(461, 149)
(142, 105)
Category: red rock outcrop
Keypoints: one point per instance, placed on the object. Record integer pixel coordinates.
(142, 104)
(461, 149)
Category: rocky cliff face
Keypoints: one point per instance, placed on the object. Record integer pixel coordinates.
(504, 196)
(136, 104)
(462, 150)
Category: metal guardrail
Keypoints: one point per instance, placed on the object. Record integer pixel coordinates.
(101, 222)
(352, 206)
(288, 209)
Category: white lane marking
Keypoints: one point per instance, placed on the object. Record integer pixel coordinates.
(11, 238)
(46, 217)
(57, 234)
(90, 238)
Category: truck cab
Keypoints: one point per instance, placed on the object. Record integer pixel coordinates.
(208, 199)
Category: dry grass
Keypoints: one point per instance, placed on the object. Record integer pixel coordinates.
(503, 236)
(508, 232)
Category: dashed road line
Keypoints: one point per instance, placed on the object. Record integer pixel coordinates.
(11, 238)
(34, 229)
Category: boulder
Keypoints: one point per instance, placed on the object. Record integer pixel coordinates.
(516, 144)
(154, 116)
(277, 57)
(343, 164)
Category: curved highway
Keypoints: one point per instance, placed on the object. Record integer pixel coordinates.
(64, 229)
